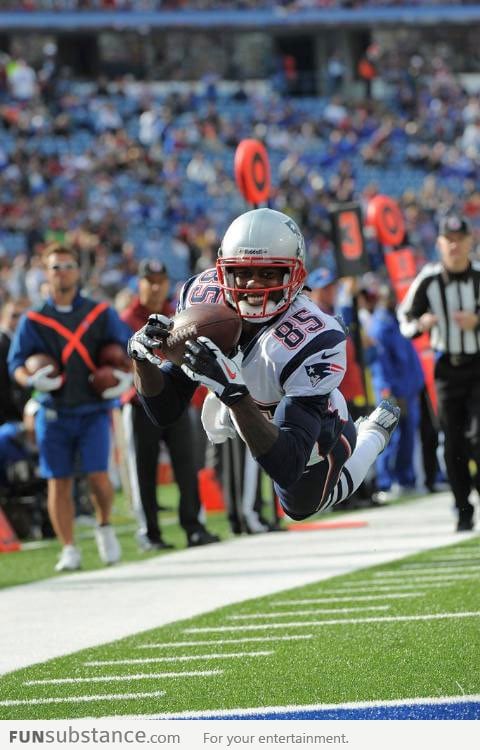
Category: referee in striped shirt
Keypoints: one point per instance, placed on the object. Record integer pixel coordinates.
(444, 299)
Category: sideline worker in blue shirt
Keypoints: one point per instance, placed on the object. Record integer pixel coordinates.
(73, 421)
(396, 374)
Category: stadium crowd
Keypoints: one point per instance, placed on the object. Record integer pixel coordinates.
(127, 172)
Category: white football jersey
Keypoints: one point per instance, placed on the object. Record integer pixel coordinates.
(302, 352)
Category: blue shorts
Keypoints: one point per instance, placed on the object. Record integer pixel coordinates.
(70, 443)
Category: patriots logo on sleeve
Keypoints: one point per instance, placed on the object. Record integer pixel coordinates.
(316, 372)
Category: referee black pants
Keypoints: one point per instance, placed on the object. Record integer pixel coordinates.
(145, 439)
(458, 391)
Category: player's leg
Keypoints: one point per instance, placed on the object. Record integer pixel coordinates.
(313, 491)
(60, 508)
(179, 439)
(373, 435)
(56, 455)
(94, 448)
(145, 448)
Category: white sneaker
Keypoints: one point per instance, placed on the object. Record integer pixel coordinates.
(396, 492)
(70, 559)
(107, 544)
(383, 420)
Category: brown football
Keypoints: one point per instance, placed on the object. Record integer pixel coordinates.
(102, 379)
(219, 323)
(36, 361)
(115, 355)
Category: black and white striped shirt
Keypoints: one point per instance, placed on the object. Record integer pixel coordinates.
(438, 291)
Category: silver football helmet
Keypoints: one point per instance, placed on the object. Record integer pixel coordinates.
(262, 238)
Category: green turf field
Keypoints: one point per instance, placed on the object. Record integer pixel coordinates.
(408, 629)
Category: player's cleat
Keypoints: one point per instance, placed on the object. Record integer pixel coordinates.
(383, 420)
(465, 519)
(107, 544)
(200, 537)
(146, 545)
(70, 559)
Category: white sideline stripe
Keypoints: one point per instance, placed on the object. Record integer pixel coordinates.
(156, 659)
(349, 621)
(293, 613)
(451, 572)
(227, 641)
(362, 598)
(124, 677)
(84, 698)
(451, 699)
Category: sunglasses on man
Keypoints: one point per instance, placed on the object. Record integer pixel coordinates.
(68, 266)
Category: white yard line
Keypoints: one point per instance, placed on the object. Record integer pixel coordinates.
(227, 641)
(297, 612)
(406, 572)
(84, 698)
(443, 565)
(124, 677)
(399, 582)
(163, 659)
(321, 623)
(449, 556)
(327, 599)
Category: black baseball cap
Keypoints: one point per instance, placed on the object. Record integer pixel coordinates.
(454, 223)
(148, 267)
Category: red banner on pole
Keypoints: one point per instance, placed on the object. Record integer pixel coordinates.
(252, 171)
(385, 215)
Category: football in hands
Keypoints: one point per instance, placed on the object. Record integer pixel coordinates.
(219, 323)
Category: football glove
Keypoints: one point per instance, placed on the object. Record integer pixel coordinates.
(125, 380)
(148, 338)
(41, 380)
(205, 363)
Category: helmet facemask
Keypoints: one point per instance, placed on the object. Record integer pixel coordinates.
(237, 296)
(250, 243)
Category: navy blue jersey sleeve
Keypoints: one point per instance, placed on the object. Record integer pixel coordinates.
(167, 407)
(303, 422)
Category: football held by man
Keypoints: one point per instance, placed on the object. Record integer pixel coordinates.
(279, 390)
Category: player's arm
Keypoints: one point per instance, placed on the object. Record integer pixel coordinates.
(284, 446)
(166, 405)
(26, 341)
(163, 389)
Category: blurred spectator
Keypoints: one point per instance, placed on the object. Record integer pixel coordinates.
(335, 73)
(12, 397)
(22, 80)
(144, 438)
(367, 67)
(397, 375)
